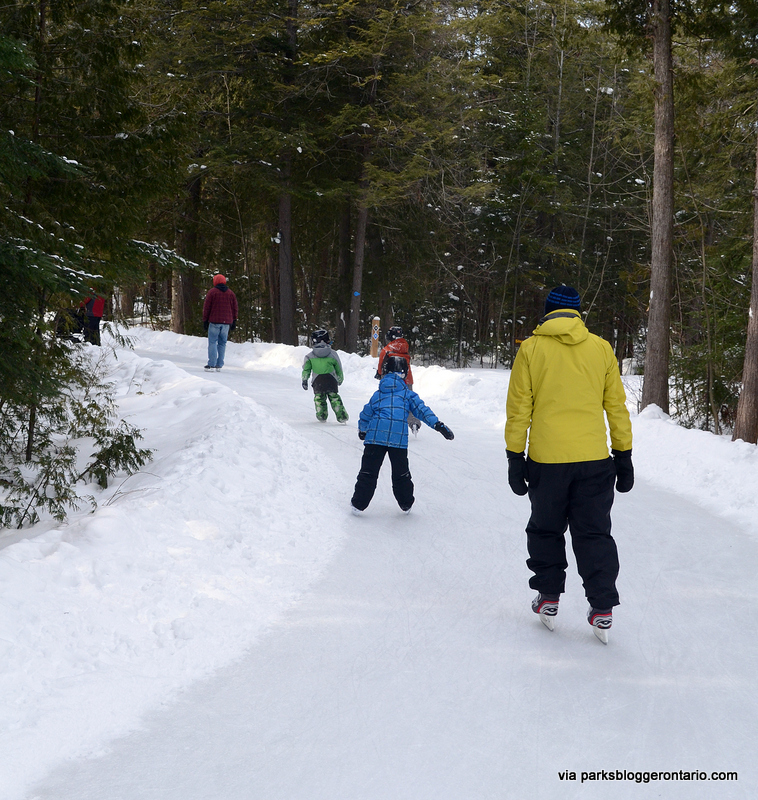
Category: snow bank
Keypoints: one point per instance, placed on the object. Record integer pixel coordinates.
(175, 575)
(711, 471)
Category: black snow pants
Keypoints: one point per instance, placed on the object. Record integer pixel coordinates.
(92, 330)
(365, 486)
(577, 496)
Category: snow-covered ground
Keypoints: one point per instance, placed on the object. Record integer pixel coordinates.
(223, 628)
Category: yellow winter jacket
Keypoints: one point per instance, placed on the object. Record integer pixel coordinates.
(563, 378)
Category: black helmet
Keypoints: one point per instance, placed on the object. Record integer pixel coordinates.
(320, 336)
(395, 332)
(395, 364)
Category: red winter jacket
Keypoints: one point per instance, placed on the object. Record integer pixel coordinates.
(220, 306)
(93, 306)
(397, 347)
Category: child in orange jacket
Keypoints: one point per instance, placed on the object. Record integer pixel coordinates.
(398, 346)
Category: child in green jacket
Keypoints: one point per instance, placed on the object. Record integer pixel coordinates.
(324, 364)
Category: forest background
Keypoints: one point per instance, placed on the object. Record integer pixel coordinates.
(438, 164)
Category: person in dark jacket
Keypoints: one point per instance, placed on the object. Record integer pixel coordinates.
(219, 318)
(383, 427)
(93, 308)
(565, 392)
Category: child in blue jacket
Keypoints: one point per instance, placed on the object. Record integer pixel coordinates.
(383, 426)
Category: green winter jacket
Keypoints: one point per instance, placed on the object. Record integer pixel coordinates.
(322, 360)
(564, 384)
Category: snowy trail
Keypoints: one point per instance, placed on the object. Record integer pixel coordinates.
(415, 669)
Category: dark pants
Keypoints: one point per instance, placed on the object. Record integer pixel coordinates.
(325, 384)
(365, 486)
(577, 496)
(92, 330)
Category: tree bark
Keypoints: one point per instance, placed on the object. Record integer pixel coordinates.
(288, 331)
(182, 284)
(177, 301)
(746, 423)
(287, 324)
(272, 278)
(355, 299)
(343, 262)
(655, 387)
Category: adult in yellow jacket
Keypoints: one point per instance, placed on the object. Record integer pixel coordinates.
(565, 382)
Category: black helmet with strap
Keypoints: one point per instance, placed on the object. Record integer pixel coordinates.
(320, 336)
(395, 332)
(395, 364)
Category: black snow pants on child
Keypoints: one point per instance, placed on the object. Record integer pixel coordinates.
(365, 486)
(577, 496)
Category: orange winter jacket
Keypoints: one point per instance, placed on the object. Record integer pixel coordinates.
(564, 383)
(397, 347)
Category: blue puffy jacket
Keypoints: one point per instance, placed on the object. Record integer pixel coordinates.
(385, 416)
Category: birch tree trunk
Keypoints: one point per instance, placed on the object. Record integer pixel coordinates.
(655, 387)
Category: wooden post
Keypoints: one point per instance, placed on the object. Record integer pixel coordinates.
(374, 337)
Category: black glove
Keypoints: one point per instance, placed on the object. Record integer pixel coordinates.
(517, 472)
(305, 384)
(377, 375)
(233, 326)
(205, 325)
(440, 427)
(361, 435)
(624, 470)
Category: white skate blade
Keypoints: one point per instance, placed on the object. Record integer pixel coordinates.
(601, 633)
(548, 622)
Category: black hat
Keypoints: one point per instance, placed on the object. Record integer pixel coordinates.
(395, 332)
(563, 297)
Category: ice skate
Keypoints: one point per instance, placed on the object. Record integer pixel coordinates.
(601, 621)
(546, 605)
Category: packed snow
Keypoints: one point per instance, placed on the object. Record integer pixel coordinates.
(223, 627)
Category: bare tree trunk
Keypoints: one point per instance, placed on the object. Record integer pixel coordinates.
(29, 451)
(272, 278)
(126, 301)
(746, 423)
(351, 344)
(655, 387)
(288, 331)
(42, 31)
(287, 325)
(177, 301)
(343, 261)
(182, 284)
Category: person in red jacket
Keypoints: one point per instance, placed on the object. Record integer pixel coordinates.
(398, 346)
(93, 307)
(219, 318)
